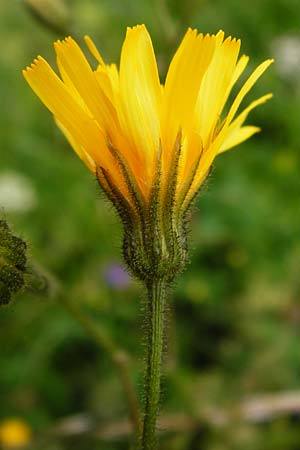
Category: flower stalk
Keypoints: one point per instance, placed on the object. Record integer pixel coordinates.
(156, 306)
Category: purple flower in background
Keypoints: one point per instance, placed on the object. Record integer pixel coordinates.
(116, 276)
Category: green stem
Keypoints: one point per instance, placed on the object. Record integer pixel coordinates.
(156, 291)
(118, 356)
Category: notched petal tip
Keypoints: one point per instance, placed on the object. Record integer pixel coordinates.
(60, 44)
(193, 31)
(36, 63)
(26, 71)
(136, 29)
(57, 44)
(220, 34)
(229, 39)
(209, 37)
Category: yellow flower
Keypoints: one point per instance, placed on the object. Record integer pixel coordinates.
(149, 143)
(130, 110)
(14, 433)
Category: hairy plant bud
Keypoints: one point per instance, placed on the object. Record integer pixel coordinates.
(13, 263)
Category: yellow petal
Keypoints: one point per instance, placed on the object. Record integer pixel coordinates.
(215, 87)
(86, 158)
(72, 88)
(246, 88)
(191, 151)
(104, 111)
(243, 115)
(67, 111)
(140, 98)
(56, 96)
(234, 130)
(183, 81)
(108, 78)
(237, 136)
(93, 49)
(71, 58)
(239, 69)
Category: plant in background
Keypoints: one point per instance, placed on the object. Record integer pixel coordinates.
(151, 147)
(54, 14)
(13, 263)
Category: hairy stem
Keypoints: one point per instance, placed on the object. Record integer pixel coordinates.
(156, 298)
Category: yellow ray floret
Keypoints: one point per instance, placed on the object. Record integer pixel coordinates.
(125, 118)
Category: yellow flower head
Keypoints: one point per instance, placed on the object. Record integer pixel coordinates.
(14, 433)
(149, 142)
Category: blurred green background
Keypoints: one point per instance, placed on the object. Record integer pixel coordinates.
(234, 318)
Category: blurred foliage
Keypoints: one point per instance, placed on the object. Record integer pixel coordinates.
(13, 263)
(234, 320)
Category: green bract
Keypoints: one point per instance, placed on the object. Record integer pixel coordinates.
(155, 235)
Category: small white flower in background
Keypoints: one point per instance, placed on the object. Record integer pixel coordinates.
(17, 193)
(286, 50)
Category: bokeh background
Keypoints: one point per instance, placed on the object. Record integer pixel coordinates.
(232, 378)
